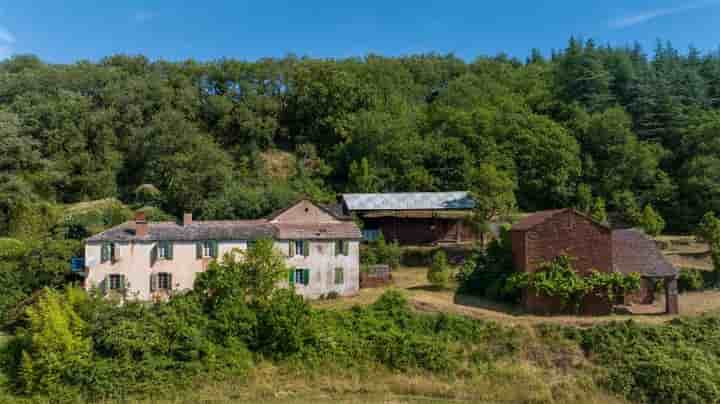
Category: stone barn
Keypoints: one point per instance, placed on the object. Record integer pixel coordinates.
(542, 236)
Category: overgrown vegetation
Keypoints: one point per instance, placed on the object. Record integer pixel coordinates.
(558, 278)
(380, 252)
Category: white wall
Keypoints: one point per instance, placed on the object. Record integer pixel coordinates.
(133, 261)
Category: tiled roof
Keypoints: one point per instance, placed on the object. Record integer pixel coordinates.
(230, 230)
(409, 201)
(534, 219)
(347, 230)
(633, 251)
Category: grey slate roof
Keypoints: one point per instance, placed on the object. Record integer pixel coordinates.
(198, 230)
(409, 201)
(633, 251)
(230, 230)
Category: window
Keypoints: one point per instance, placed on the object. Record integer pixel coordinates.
(165, 250)
(339, 276)
(300, 276)
(116, 282)
(208, 248)
(107, 252)
(299, 247)
(341, 247)
(164, 280)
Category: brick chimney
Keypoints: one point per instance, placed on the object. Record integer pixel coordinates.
(141, 225)
(187, 219)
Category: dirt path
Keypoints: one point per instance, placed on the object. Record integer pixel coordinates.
(425, 298)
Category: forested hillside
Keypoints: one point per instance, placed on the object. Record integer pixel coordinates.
(590, 122)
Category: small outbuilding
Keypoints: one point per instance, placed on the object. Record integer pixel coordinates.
(414, 218)
(545, 235)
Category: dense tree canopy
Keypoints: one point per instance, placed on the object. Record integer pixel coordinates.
(590, 122)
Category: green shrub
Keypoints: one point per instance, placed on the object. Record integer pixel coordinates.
(690, 280)
(380, 252)
(439, 272)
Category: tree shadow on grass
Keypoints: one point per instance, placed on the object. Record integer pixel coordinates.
(487, 304)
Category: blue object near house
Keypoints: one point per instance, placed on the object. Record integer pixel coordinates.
(77, 264)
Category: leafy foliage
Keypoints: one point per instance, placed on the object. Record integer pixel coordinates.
(439, 272)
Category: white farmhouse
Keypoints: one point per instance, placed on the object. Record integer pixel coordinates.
(147, 260)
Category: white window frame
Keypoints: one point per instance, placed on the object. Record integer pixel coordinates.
(299, 276)
(207, 249)
(163, 249)
(300, 248)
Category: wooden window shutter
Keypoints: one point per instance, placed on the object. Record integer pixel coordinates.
(170, 283)
(113, 254)
(306, 248)
(153, 282)
(291, 248)
(104, 252)
(338, 247)
(214, 249)
(291, 278)
(339, 276)
(345, 247)
(199, 250)
(306, 276)
(169, 250)
(122, 282)
(153, 255)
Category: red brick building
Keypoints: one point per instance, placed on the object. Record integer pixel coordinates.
(542, 236)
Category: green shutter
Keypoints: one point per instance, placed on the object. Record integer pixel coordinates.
(122, 282)
(112, 252)
(170, 283)
(291, 278)
(214, 249)
(291, 248)
(345, 247)
(306, 248)
(169, 250)
(339, 276)
(338, 247)
(105, 284)
(198, 250)
(153, 282)
(306, 276)
(104, 252)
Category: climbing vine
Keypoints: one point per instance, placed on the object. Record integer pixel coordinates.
(558, 278)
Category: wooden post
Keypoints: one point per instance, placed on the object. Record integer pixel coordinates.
(672, 305)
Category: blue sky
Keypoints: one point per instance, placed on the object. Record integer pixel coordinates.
(67, 31)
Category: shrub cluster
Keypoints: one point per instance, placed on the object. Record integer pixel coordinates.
(381, 252)
(671, 363)
(691, 280)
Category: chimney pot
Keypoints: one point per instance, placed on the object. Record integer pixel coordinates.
(141, 225)
(187, 219)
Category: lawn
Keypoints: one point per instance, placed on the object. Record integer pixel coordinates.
(412, 280)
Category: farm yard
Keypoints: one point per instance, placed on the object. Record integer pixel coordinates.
(425, 298)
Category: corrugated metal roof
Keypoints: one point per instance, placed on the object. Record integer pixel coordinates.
(409, 201)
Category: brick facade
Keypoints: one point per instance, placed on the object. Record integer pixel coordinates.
(563, 232)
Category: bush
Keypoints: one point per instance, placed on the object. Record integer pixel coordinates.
(690, 280)
(488, 272)
(439, 272)
(380, 252)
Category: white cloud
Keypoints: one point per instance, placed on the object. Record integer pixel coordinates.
(6, 36)
(143, 16)
(643, 17)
